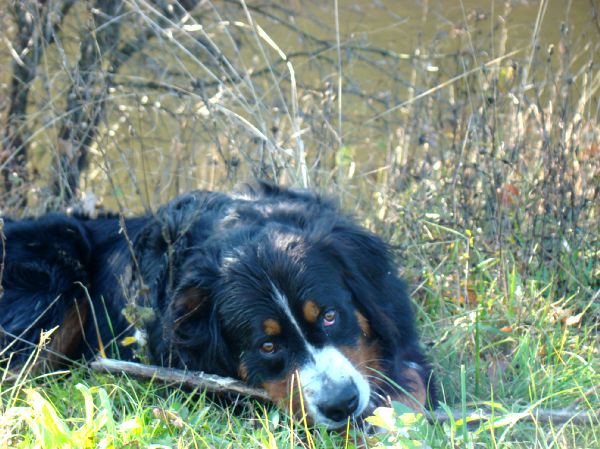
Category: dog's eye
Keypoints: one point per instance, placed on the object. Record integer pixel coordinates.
(329, 317)
(268, 347)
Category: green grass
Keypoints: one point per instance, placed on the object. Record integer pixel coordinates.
(102, 413)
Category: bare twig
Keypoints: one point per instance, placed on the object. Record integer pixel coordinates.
(210, 382)
(560, 416)
(3, 245)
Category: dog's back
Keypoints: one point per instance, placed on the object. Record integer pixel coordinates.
(61, 271)
(46, 271)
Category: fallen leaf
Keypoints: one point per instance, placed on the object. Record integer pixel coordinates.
(169, 417)
(573, 320)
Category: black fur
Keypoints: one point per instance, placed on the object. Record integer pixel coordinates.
(206, 265)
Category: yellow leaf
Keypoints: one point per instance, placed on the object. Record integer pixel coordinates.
(127, 341)
(383, 417)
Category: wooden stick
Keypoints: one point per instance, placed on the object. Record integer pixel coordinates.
(193, 379)
(218, 384)
(560, 416)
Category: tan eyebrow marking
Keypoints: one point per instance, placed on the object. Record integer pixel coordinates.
(363, 322)
(311, 311)
(271, 327)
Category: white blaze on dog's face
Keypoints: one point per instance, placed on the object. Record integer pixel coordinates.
(333, 389)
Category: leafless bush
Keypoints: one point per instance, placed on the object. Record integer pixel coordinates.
(128, 103)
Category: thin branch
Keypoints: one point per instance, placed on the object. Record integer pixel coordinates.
(2, 260)
(210, 382)
(542, 416)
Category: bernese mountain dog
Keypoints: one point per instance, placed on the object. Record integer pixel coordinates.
(269, 285)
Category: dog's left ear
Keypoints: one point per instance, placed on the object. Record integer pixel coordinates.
(370, 273)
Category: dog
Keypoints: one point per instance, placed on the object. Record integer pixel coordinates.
(270, 285)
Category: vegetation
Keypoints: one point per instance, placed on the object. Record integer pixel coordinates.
(468, 137)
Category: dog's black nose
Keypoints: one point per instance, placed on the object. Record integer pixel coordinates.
(341, 402)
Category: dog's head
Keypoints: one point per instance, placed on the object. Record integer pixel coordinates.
(303, 304)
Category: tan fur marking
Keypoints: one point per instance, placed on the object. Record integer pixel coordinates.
(311, 311)
(365, 357)
(243, 372)
(280, 392)
(416, 396)
(69, 334)
(189, 299)
(364, 324)
(271, 327)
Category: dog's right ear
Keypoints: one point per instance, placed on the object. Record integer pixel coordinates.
(191, 325)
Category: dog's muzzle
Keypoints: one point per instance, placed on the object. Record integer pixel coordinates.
(333, 388)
